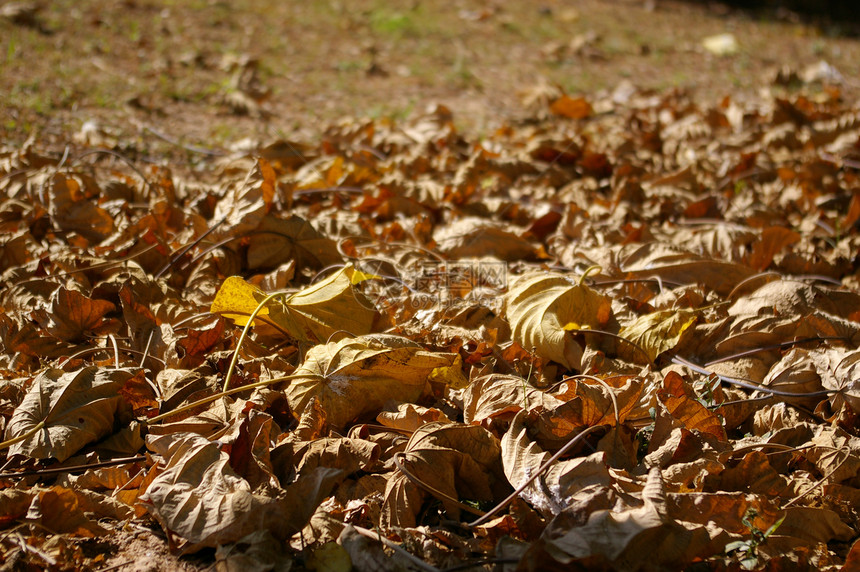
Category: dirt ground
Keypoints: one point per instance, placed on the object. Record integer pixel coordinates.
(210, 73)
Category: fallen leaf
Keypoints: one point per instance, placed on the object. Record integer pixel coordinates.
(681, 403)
(457, 460)
(543, 307)
(549, 492)
(571, 107)
(355, 377)
(659, 332)
(62, 412)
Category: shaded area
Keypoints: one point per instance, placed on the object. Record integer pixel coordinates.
(834, 10)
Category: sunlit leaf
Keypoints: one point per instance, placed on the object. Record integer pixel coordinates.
(73, 409)
(658, 332)
(355, 377)
(680, 401)
(312, 314)
(543, 307)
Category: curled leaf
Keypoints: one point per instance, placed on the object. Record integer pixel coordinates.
(542, 307)
(311, 315)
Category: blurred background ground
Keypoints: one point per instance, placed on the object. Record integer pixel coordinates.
(211, 72)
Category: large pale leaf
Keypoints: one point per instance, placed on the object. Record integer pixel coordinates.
(498, 396)
(332, 305)
(76, 408)
(673, 264)
(473, 237)
(543, 307)
(355, 377)
(201, 500)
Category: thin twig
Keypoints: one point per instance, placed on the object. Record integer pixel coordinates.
(397, 548)
(774, 347)
(175, 142)
(539, 472)
(818, 482)
(73, 468)
(218, 396)
(398, 461)
(197, 241)
(748, 385)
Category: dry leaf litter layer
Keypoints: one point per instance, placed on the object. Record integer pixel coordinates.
(621, 335)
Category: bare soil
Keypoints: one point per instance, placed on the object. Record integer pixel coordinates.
(210, 73)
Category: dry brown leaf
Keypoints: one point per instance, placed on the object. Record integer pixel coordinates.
(259, 551)
(675, 265)
(303, 457)
(458, 460)
(548, 493)
(73, 209)
(475, 238)
(355, 377)
(200, 501)
(409, 417)
(773, 240)
(571, 107)
(629, 534)
(681, 403)
(276, 241)
(499, 396)
(245, 204)
(753, 474)
(59, 509)
(72, 317)
(62, 412)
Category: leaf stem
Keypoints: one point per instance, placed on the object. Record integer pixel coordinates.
(250, 321)
(539, 472)
(8, 443)
(589, 270)
(217, 396)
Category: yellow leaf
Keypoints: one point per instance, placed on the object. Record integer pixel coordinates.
(311, 315)
(330, 556)
(237, 300)
(356, 377)
(358, 277)
(329, 306)
(658, 332)
(451, 376)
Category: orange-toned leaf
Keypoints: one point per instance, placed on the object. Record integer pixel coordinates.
(680, 401)
(571, 107)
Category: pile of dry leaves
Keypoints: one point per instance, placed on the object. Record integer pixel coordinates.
(621, 335)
